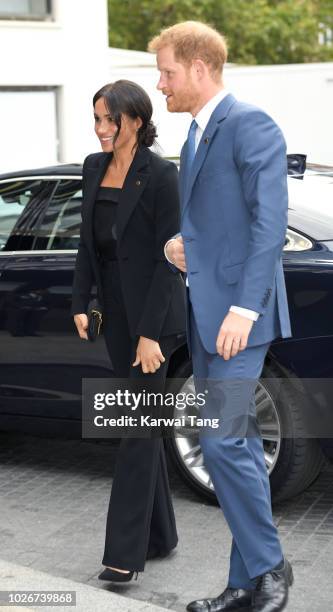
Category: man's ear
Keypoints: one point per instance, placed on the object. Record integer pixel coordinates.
(200, 68)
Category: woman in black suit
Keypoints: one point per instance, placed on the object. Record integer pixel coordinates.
(130, 209)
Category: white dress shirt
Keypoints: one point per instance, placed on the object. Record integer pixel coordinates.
(202, 119)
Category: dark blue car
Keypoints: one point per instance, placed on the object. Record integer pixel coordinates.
(43, 362)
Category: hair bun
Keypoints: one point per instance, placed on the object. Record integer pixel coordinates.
(147, 135)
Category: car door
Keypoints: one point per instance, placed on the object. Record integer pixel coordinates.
(42, 358)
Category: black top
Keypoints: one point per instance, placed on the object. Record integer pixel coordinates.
(105, 214)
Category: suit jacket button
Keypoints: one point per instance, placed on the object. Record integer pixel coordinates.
(138, 183)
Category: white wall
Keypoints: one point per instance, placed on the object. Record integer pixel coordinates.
(299, 97)
(24, 145)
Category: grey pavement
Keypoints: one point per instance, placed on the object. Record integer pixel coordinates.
(15, 577)
(54, 497)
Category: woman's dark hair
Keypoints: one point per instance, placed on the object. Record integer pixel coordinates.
(129, 98)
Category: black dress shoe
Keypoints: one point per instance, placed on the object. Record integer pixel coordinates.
(114, 576)
(230, 599)
(271, 592)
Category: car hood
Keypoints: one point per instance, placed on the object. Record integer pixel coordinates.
(311, 206)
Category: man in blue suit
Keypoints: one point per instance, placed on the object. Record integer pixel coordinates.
(233, 172)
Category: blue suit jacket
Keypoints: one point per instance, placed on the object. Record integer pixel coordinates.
(234, 220)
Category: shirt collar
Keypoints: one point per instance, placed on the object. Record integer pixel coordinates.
(205, 113)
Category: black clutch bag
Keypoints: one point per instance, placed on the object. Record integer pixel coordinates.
(95, 318)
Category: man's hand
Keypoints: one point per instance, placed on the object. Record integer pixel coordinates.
(233, 335)
(149, 354)
(81, 322)
(176, 254)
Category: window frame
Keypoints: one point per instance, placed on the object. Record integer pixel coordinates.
(47, 178)
(56, 90)
(45, 211)
(47, 16)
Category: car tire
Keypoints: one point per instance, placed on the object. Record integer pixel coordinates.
(300, 458)
(296, 461)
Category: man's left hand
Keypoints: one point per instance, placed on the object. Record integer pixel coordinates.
(233, 335)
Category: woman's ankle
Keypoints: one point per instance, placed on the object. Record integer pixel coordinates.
(116, 569)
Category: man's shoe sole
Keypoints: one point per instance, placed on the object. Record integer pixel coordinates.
(290, 575)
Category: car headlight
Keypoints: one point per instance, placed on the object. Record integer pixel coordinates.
(296, 242)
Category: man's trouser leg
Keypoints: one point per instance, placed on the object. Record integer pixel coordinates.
(234, 457)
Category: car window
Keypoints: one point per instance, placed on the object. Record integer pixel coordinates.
(21, 203)
(60, 225)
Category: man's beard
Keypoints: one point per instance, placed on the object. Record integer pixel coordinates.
(182, 103)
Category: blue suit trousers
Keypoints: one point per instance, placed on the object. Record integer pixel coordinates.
(234, 456)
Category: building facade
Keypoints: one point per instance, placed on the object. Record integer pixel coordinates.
(53, 58)
(55, 55)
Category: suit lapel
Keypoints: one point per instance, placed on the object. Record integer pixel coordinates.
(135, 182)
(219, 114)
(93, 178)
(134, 185)
(182, 177)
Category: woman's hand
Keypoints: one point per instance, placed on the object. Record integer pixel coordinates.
(149, 354)
(81, 322)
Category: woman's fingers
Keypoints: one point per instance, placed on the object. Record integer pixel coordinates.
(149, 354)
(84, 331)
(81, 322)
(160, 357)
(149, 366)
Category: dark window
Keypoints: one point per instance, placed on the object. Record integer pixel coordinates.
(25, 9)
(60, 226)
(21, 204)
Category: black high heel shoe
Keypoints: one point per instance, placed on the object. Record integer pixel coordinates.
(114, 576)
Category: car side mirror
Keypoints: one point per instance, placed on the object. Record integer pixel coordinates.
(296, 164)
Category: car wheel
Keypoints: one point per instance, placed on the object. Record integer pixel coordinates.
(293, 461)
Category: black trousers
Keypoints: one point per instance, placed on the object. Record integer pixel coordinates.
(140, 521)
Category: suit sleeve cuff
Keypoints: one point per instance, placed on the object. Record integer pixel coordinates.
(245, 312)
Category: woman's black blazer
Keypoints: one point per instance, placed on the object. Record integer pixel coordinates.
(147, 216)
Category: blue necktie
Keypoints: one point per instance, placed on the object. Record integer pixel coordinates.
(190, 151)
(191, 143)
